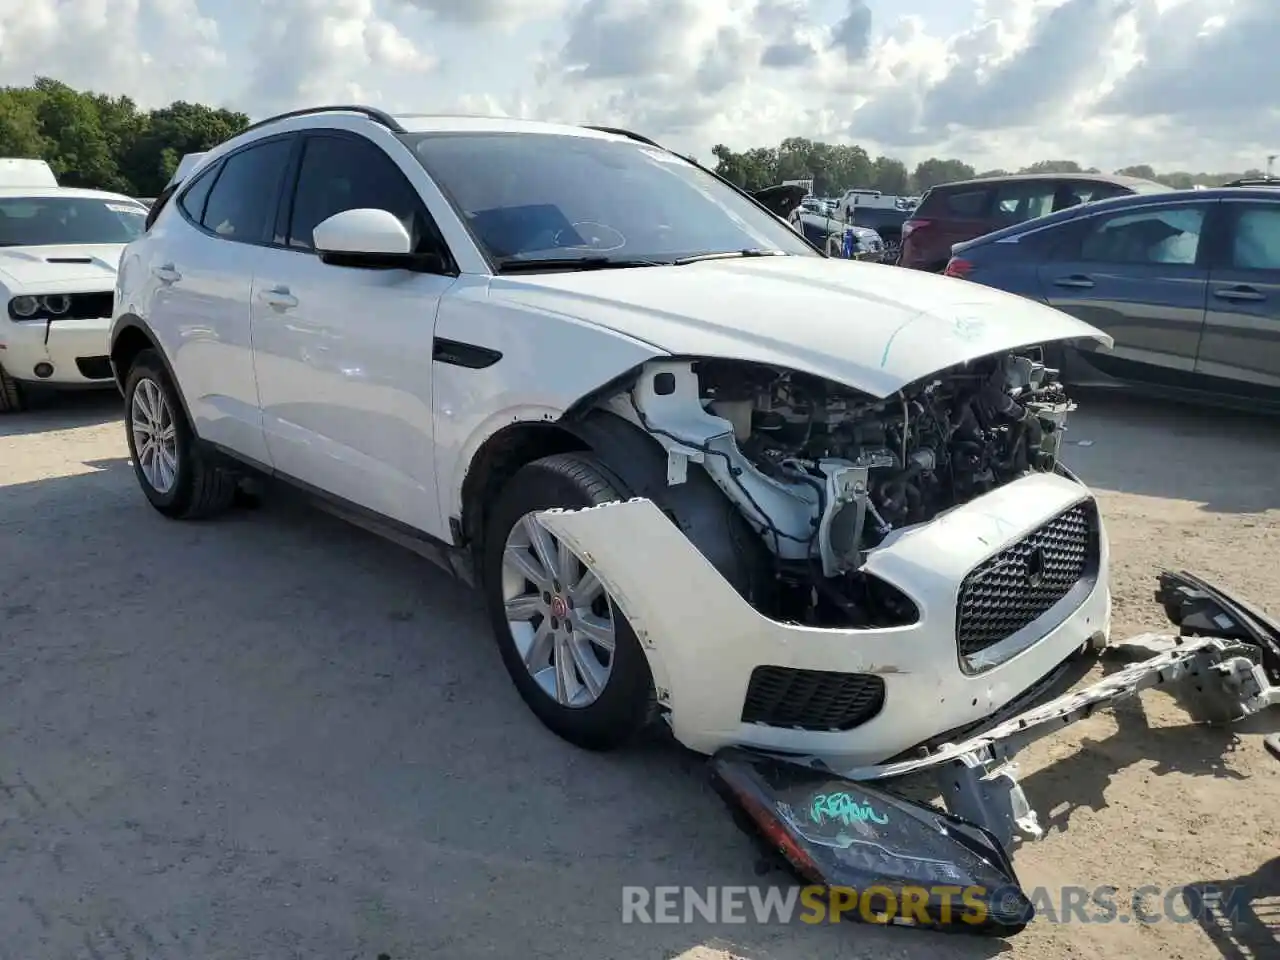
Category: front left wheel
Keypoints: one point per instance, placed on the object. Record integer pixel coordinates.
(174, 475)
(570, 651)
(11, 398)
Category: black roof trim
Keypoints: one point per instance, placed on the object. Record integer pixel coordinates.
(377, 116)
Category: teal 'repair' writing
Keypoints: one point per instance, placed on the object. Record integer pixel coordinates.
(844, 808)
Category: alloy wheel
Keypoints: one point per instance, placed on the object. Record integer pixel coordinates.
(559, 615)
(155, 436)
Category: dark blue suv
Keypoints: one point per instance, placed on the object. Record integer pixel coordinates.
(1187, 282)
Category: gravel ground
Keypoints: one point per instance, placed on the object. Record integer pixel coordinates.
(277, 736)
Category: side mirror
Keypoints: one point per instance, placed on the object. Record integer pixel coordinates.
(362, 231)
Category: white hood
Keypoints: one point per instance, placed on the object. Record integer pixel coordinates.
(871, 327)
(74, 268)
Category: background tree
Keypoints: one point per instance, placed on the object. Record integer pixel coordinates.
(94, 140)
(934, 171)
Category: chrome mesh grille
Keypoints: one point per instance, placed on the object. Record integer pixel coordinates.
(1021, 583)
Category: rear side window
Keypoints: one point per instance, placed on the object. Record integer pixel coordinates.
(242, 204)
(964, 203)
(1255, 242)
(1017, 202)
(194, 197)
(343, 173)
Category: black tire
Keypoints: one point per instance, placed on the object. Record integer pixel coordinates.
(201, 489)
(626, 706)
(11, 394)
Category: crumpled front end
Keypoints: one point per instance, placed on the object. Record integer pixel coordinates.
(1006, 587)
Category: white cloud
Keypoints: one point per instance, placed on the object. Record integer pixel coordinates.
(1177, 83)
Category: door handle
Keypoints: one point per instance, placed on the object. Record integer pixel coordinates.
(167, 273)
(1077, 281)
(1238, 293)
(279, 298)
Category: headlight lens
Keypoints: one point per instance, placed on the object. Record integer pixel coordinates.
(24, 306)
(57, 304)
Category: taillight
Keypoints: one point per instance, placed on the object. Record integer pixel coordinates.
(911, 226)
(958, 267)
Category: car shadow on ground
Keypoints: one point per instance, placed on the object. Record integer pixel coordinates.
(1240, 915)
(1175, 451)
(46, 411)
(274, 732)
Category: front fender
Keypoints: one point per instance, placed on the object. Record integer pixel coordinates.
(548, 364)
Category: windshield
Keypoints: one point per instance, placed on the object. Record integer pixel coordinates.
(48, 221)
(552, 197)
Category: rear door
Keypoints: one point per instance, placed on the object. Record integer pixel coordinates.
(1141, 275)
(1242, 325)
(203, 265)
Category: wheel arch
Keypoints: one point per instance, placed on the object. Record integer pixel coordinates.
(130, 336)
(639, 465)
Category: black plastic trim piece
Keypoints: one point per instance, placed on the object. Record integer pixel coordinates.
(459, 354)
(374, 114)
(441, 550)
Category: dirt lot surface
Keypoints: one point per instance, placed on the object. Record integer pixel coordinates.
(276, 736)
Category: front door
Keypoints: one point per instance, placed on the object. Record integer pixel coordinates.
(1241, 341)
(344, 355)
(1141, 276)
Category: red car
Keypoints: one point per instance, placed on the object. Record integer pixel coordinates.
(955, 212)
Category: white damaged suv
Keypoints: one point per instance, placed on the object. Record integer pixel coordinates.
(702, 473)
(59, 247)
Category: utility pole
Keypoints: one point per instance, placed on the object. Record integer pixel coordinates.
(1270, 162)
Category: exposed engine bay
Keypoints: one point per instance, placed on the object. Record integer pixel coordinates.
(826, 473)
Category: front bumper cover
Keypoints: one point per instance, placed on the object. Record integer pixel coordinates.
(704, 642)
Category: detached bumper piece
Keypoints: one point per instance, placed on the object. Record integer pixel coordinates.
(844, 829)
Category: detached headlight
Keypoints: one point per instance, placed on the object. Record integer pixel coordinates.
(23, 307)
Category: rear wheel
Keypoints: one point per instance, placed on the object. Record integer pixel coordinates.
(570, 652)
(174, 475)
(11, 398)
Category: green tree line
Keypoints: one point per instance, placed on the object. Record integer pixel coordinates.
(94, 140)
(835, 168)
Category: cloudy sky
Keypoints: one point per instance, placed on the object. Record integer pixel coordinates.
(1186, 84)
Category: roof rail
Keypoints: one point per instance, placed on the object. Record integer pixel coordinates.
(1254, 182)
(630, 135)
(377, 116)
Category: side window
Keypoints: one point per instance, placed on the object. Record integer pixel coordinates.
(969, 203)
(194, 197)
(1168, 235)
(1256, 241)
(242, 204)
(1016, 202)
(343, 173)
(1073, 193)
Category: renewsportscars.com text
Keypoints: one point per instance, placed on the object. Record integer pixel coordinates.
(877, 904)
